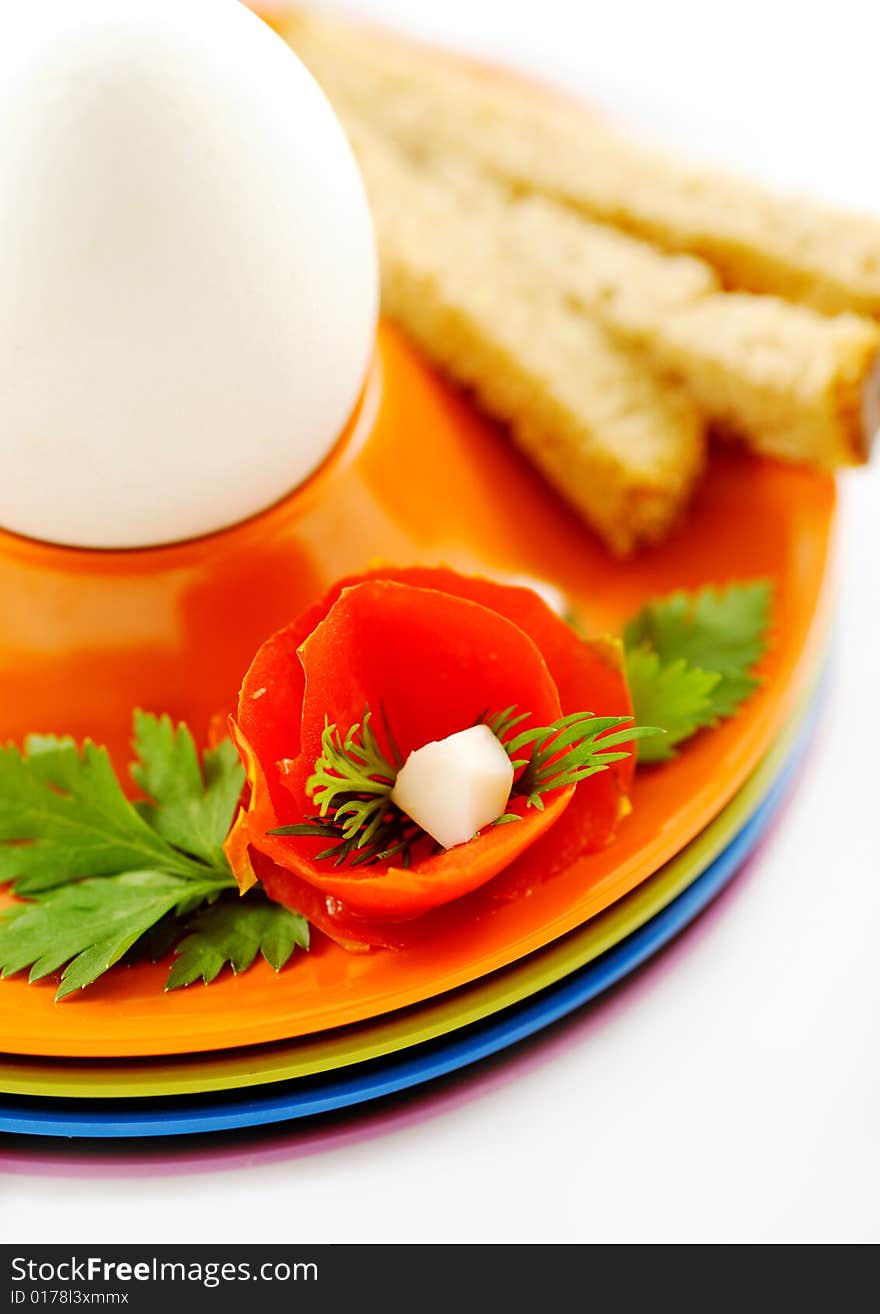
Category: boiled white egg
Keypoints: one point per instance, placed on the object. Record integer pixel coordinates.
(455, 786)
(188, 276)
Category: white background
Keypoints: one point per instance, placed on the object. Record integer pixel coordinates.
(732, 1091)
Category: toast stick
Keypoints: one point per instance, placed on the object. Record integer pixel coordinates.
(757, 241)
(621, 445)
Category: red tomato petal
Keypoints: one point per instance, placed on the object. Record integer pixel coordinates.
(437, 662)
(589, 677)
(379, 645)
(400, 893)
(321, 911)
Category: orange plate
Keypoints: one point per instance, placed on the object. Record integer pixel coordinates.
(419, 479)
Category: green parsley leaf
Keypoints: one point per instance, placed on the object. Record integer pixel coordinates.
(111, 880)
(63, 816)
(156, 943)
(689, 659)
(234, 931)
(671, 694)
(90, 924)
(192, 804)
(715, 630)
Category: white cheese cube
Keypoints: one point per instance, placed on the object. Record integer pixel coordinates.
(454, 787)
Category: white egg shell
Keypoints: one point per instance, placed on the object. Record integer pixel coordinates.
(188, 276)
(455, 786)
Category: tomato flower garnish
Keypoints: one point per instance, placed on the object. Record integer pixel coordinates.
(435, 652)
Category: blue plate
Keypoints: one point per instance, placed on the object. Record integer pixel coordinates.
(302, 1098)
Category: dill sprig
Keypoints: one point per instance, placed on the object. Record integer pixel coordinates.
(351, 787)
(354, 777)
(562, 754)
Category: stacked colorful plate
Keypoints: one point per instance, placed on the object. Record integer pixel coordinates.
(335, 1029)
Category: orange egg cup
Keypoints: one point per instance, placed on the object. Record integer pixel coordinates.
(86, 636)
